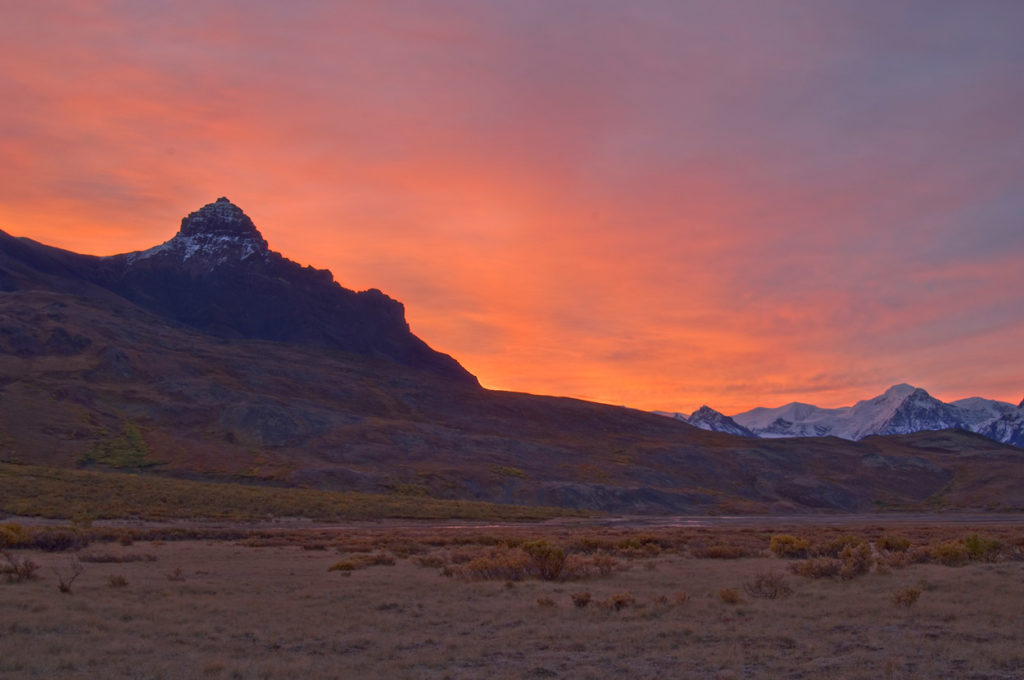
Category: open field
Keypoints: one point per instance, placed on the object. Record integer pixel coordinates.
(471, 602)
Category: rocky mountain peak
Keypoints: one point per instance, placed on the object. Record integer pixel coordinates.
(222, 217)
(707, 418)
(217, 233)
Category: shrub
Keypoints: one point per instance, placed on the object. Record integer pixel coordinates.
(950, 553)
(58, 540)
(893, 543)
(497, 564)
(906, 597)
(818, 567)
(17, 569)
(577, 567)
(545, 602)
(591, 544)
(581, 600)
(66, 578)
(857, 560)
(605, 564)
(619, 601)
(378, 559)
(837, 546)
(784, 545)
(433, 560)
(979, 548)
(547, 559)
(117, 581)
(729, 596)
(720, 551)
(896, 560)
(344, 565)
(13, 536)
(768, 586)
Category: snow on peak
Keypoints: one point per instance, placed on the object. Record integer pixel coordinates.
(708, 418)
(901, 409)
(219, 232)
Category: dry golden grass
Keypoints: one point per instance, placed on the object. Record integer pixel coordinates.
(265, 607)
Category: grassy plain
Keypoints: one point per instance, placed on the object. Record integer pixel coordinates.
(472, 602)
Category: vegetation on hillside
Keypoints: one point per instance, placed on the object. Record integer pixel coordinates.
(62, 493)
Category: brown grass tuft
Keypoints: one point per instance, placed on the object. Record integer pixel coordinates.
(906, 597)
(730, 596)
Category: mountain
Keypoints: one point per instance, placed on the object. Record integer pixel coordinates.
(218, 276)
(902, 409)
(213, 357)
(707, 418)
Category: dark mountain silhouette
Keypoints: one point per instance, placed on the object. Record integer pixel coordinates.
(218, 276)
(212, 357)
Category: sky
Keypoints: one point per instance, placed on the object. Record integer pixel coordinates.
(659, 204)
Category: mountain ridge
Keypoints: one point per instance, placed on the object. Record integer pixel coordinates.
(99, 369)
(217, 275)
(901, 409)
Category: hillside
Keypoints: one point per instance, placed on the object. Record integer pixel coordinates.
(103, 372)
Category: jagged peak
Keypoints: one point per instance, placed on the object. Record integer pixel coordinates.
(222, 217)
(220, 230)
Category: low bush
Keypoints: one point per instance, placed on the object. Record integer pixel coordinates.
(432, 560)
(856, 559)
(13, 536)
(979, 548)
(784, 545)
(67, 577)
(768, 586)
(836, 547)
(950, 553)
(619, 601)
(906, 597)
(580, 600)
(545, 602)
(547, 560)
(818, 567)
(720, 551)
(17, 569)
(891, 543)
(730, 596)
(117, 581)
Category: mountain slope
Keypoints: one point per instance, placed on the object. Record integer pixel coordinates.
(217, 275)
(101, 368)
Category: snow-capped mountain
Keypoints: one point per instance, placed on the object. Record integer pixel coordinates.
(707, 418)
(1009, 428)
(792, 420)
(217, 233)
(901, 409)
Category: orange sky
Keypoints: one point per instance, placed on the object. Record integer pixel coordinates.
(656, 204)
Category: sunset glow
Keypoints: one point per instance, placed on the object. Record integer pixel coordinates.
(654, 204)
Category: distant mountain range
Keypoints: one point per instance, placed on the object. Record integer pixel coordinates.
(213, 357)
(902, 409)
